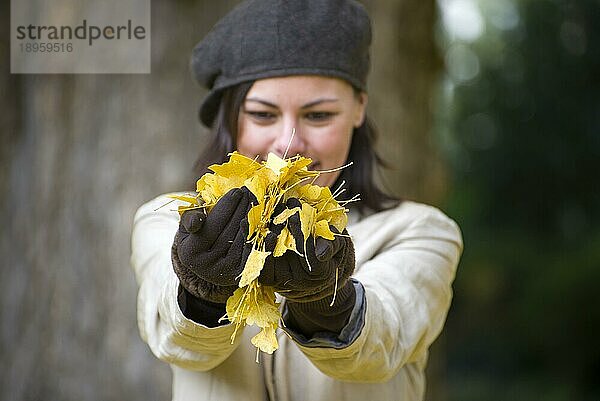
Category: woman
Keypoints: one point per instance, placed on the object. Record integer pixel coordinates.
(274, 68)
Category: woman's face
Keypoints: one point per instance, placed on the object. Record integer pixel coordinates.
(323, 111)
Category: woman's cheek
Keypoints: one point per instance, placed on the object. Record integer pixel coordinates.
(333, 148)
(252, 144)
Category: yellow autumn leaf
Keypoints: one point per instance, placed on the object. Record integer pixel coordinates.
(266, 340)
(258, 184)
(263, 311)
(292, 169)
(307, 219)
(249, 165)
(255, 305)
(212, 187)
(286, 214)
(238, 165)
(339, 220)
(184, 198)
(325, 194)
(280, 247)
(228, 183)
(334, 214)
(309, 193)
(254, 265)
(275, 163)
(233, 306)
(322, 230)
(254, 218)
(285, 241)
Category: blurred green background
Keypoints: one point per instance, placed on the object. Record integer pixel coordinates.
(518, 119)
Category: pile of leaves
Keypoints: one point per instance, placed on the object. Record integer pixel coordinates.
(272, 182)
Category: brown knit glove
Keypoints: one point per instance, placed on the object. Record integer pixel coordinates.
(310, 278)
(310, 290)
(209, 251)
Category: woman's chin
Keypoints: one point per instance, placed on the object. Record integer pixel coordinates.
(326, 180)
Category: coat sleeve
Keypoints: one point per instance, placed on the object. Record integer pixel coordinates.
(171, 336)
(407, 275)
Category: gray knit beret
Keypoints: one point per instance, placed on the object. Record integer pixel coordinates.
(270, 38)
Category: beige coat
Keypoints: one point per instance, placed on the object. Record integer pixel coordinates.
(406, 260)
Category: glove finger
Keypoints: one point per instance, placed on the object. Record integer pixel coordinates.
(238, 251)
(307, 247)
(228, 266)
(292, 203)
(234, 226)
(220, 215)
(278, 272)
(274, 229)
(325, 249)
(267, 274)
(271, 238)
(192, 220)
(347, 260)
(251, 197)
(295, 227)
(245, 254)
(315, 268)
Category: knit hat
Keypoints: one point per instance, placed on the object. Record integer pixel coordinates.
(273, 38)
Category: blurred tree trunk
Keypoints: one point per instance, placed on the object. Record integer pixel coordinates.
(403, 76)
(79, 154)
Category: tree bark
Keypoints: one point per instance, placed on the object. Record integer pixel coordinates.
(79, 154)
(404, 72)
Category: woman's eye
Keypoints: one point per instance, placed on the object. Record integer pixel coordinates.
(319, 115)
(261, 115)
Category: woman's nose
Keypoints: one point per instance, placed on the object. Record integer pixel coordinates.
(289, 142)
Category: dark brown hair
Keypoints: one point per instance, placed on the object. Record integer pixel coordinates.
(359, 177)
